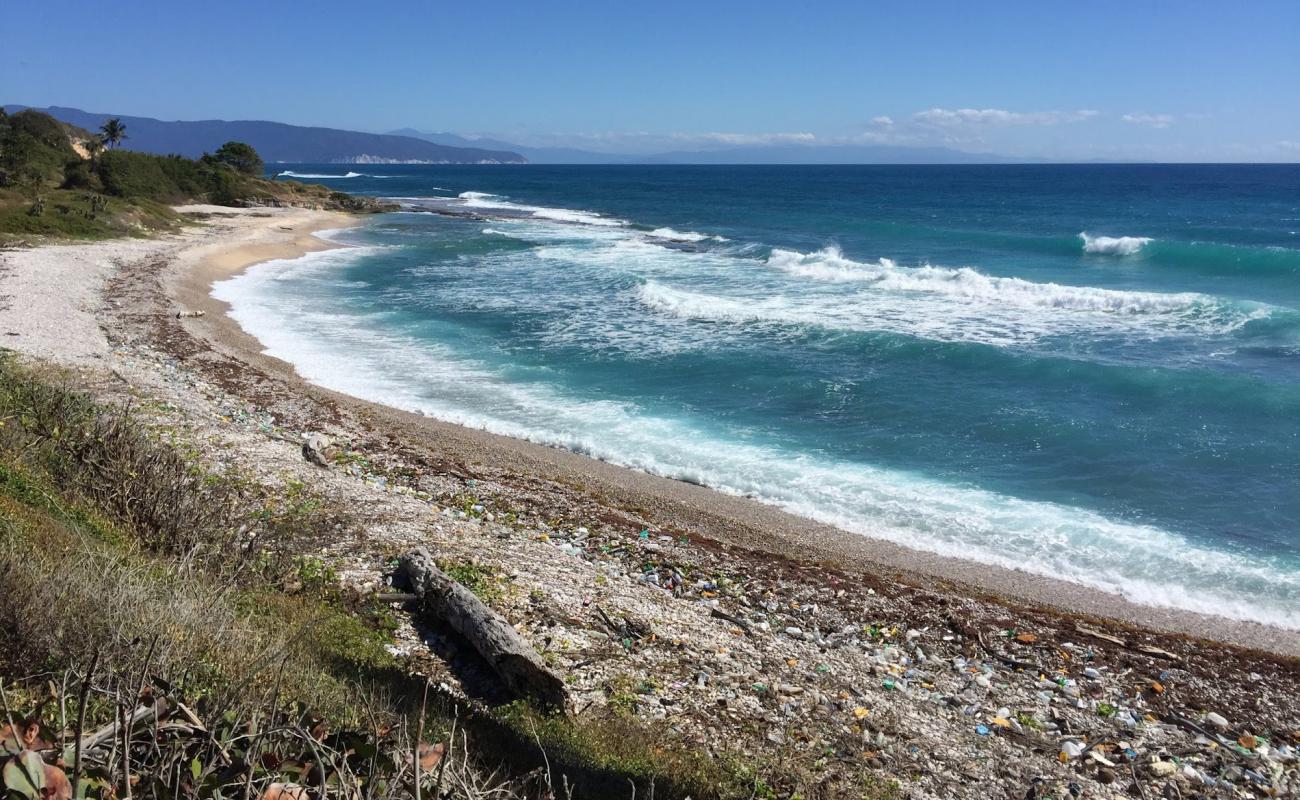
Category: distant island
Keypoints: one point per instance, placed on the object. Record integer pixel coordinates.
(278, 142)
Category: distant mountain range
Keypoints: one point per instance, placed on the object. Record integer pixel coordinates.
(535, 155)
(753, 154)
(278, 142)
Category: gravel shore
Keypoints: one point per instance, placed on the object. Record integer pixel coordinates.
(736, 624)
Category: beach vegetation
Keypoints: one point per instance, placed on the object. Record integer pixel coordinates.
(486, 583)
(93, 147)
(147, 576)
(113, 131)
(47, 165)
(239, 157)
(35, 149)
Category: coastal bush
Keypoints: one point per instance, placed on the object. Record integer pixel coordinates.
(94, 556)
(224, 188)
(168, 179)
(107, 458)
(37, 159)
(188, 176)
(34, 151)
(129, 174)
(78, 175)
(239, 157)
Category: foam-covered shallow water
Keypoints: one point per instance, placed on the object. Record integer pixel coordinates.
(933, 356)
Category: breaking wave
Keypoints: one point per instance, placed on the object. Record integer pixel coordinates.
(1113, 245)
(290, 174)
(492, 202)
(280, 303)
(687, 236)
(829, 264)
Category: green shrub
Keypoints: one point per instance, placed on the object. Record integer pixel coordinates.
(223, 187)
(129, 174)
(190, 177)
(239, 157)
(34, 151)
(78, 175)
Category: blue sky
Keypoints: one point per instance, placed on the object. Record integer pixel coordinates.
(1151, 80)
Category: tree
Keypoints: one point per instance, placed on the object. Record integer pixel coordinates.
(240, 157)
(114, 132)
(94, 145)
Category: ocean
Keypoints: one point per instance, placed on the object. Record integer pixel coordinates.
(1086, 372)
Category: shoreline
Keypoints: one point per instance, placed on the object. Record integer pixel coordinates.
(731, 628)
(727, 520)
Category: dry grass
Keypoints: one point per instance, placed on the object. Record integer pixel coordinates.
(118, 546)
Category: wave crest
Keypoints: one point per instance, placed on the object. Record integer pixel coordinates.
(494, 202)
(291, 174)
(684, 236)
(829, 264)
(1113, 245)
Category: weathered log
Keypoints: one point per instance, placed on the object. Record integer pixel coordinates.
(515, 661)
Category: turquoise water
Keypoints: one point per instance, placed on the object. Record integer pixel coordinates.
(1089, 372)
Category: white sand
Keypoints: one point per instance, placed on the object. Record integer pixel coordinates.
(50, 295)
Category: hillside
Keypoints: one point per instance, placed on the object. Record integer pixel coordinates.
(58, 181)
(278, 142)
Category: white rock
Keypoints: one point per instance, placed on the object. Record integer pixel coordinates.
(1163, 769)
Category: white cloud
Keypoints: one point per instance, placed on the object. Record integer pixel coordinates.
(1149, 120)
(1289, 145)
(945, 117)
(882, 120)
(747, 138)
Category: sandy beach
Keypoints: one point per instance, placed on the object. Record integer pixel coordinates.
(834, 621)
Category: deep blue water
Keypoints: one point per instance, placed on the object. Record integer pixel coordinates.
(1091, 372)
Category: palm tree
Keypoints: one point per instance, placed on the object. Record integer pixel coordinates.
(93, 146)
(114, 132)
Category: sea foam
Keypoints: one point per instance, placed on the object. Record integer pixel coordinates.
(295, 309)
(1113, 245)
(684, 236)
(289, 174)
(829, 264)
(492, 202)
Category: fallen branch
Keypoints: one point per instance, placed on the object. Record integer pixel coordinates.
(1142, 792)
(718, 613)
(1137, 647)
(515, 661)
(1222, 741)
(1006, 659)
(105, 734)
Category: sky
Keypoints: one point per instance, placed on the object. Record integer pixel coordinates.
(1141, 79)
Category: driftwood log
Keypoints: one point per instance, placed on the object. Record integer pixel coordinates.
(518, 665)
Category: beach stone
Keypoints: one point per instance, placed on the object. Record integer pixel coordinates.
(319, 449)
(1163, 769)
